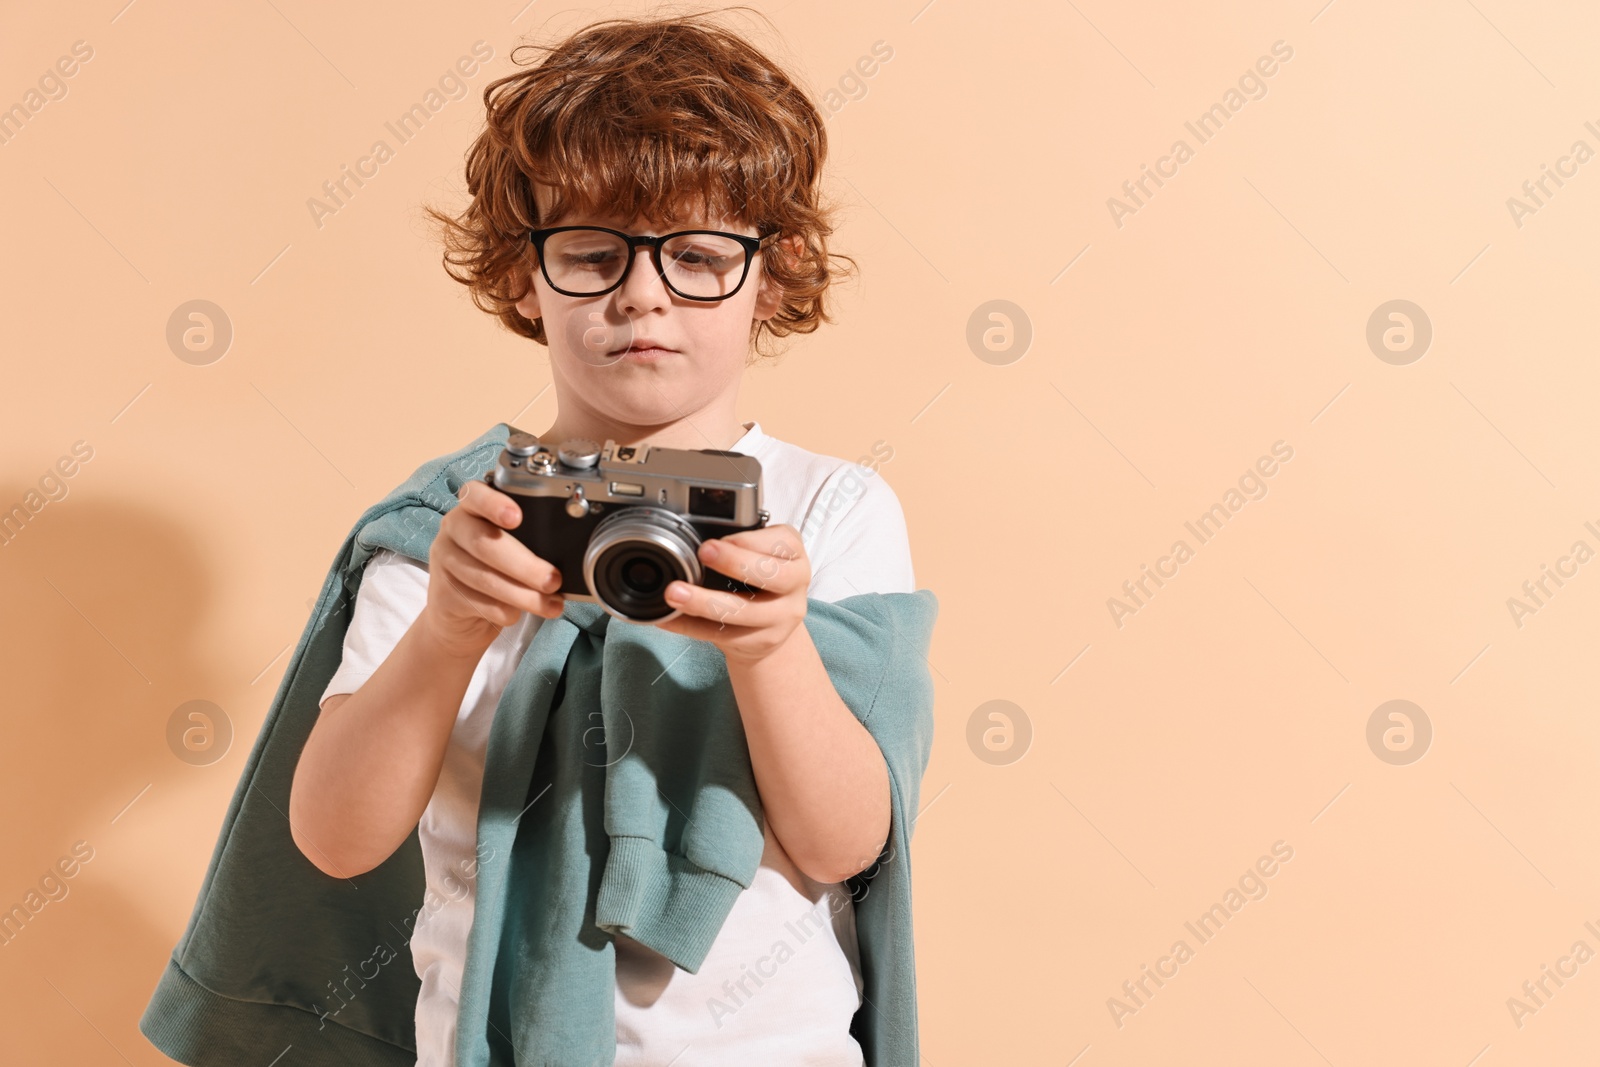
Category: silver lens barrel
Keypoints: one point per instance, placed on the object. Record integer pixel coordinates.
(633, 554)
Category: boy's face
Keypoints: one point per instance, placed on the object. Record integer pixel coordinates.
(709, 340)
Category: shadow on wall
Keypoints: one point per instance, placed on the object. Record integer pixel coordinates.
(107, 831)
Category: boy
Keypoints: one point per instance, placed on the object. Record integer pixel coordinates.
(647, 128)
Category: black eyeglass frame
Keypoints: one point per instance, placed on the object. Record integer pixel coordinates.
(752, 245)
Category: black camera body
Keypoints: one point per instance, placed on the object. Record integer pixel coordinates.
(622, 521)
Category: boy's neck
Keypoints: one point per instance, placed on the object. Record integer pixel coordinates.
(683, 433)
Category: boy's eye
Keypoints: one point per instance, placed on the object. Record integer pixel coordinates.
(590, 260)
(704, 254)
(697, 259)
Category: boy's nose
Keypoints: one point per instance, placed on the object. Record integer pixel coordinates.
(642, 286)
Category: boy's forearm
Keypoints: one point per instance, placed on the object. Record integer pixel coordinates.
(371, 764)
(823, 781)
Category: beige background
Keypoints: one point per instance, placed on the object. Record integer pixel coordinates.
(1227, 313)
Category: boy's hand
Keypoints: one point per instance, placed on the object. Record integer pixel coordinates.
(746, 626)
(482, 578)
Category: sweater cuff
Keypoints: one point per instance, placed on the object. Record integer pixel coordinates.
(663, 901)
(193, 1025)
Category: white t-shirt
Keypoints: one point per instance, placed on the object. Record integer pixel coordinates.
(783, 977)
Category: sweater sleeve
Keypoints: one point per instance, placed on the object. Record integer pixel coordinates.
(394, 590)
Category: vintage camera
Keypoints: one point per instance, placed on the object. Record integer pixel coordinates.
(622, 521)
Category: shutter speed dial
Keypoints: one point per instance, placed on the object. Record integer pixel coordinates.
(579, 452)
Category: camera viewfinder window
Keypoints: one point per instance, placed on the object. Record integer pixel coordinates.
(711, 503)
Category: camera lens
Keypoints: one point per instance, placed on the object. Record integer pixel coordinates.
(631, 577)
(642, 576)
(634, 554)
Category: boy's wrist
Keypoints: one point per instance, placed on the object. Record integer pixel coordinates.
(777, 659)
(446, 647)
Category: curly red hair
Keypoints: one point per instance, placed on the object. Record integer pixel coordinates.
(652, 117)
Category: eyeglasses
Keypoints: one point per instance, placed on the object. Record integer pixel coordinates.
(593, 260)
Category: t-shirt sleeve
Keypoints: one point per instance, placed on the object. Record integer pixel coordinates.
(394, 590)
(861, 544)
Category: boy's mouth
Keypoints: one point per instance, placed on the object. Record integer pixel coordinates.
(645, 347)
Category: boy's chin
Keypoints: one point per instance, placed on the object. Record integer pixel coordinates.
(644, 407)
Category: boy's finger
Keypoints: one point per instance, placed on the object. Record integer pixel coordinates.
(481, 541)
(775, 573)
(716, 606)
(780, 539)
(487, 502)
(501, 587)
(700, 629)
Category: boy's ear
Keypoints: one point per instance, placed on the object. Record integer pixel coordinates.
(769, 296)
(529, 304)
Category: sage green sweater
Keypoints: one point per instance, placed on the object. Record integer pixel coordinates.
(655, 841)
